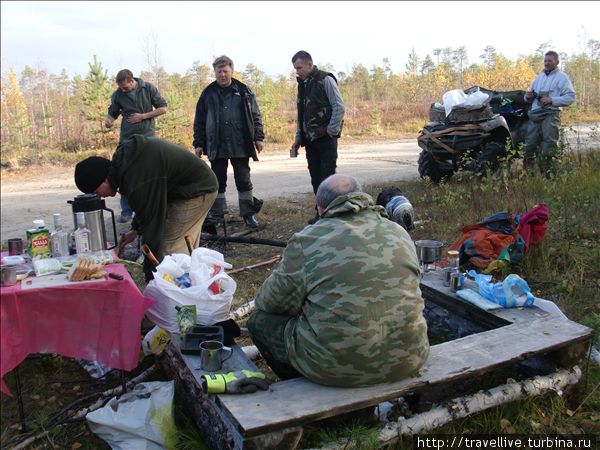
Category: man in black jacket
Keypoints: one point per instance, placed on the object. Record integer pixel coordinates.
(228, 127)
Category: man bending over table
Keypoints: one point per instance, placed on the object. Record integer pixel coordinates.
(168, 187)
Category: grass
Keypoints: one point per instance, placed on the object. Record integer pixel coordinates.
(564, 268)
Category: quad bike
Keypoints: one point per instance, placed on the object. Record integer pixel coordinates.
(472, 139)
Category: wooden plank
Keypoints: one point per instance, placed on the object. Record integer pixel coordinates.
(299, 401)
(217, 430)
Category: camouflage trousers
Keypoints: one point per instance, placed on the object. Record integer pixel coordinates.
(541, 140)
(268, 334)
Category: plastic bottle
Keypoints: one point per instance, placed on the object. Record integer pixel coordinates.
(82, 235)
(60, 239)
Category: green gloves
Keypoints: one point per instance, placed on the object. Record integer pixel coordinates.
(239, 382)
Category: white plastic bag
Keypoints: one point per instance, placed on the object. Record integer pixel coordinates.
(456, 98)
(452, 99)
(475, 99)
(138, 420)
(211, 291)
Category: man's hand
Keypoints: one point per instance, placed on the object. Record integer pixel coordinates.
(136, 117)
(546, 101)
(127, 238)
(529, 95)
(259, 146)
(294, 150)
(108, 121)
(199, 151)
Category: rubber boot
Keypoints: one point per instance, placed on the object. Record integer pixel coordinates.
(219, 207)
(248, 207)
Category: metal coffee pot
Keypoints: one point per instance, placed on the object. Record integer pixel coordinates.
(93, 206)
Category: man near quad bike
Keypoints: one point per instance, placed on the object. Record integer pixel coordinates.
(551, 90)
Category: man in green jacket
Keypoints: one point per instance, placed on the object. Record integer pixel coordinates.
(344, 307)
(139, 102)
(169, 189)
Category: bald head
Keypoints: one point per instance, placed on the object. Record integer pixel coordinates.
(334, 186)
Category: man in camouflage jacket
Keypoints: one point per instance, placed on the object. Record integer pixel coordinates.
(344, 306)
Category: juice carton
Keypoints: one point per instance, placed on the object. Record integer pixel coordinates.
(38, 241)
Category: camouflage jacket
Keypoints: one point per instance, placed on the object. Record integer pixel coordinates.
(351, 283)
(314, 108)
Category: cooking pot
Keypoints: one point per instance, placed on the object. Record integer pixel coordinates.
(429, 251)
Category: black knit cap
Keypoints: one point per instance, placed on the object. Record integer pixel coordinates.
(90, 173)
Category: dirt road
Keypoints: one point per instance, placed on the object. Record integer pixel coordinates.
(46, 192)
(41, 194)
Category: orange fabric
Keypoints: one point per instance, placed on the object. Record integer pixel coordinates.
(481, 245)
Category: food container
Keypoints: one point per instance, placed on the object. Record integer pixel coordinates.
(196, 335)
(429, 251)
(8, 275)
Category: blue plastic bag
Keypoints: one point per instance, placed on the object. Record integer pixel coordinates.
(512, 292)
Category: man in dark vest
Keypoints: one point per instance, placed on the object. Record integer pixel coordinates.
(320, 119)
(228, 127)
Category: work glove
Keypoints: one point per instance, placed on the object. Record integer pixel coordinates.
(238, 382)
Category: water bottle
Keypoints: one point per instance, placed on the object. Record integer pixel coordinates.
(59, 238)
(82, 235)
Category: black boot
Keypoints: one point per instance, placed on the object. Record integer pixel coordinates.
(251, 221)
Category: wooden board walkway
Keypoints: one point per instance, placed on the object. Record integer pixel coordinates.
(274, 418)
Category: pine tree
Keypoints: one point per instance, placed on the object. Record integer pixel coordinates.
(96, 97)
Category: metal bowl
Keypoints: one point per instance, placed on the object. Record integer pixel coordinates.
(429, 251)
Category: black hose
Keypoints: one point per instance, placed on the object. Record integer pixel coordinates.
(242, 240)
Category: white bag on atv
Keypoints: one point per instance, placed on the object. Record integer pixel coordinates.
(211, 291)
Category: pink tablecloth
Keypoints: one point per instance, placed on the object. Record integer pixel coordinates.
(95, 321)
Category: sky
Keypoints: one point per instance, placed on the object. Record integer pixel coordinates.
(66, 35)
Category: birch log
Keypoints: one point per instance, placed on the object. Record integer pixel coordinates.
(461, 407)
(243, 310)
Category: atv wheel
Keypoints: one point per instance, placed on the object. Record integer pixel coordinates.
(489, 158)
(429, 167)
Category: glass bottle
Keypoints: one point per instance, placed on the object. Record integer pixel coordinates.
(453, 259)
(82, 235)
(59, 238)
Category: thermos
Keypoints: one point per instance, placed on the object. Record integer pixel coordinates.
(93, 206)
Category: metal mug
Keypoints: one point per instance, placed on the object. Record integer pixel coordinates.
(211, 355)
(8, 275)
(15, 246)
(457, 281)
(448, 271)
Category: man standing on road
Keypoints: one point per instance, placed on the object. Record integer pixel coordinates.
(228, 127)
(320, 119)
(170, 190)
(551, 90)
(139, 103)
(344, 307)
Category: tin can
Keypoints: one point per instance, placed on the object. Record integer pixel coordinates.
(15, 246)
(457, 281)
(448, 271)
